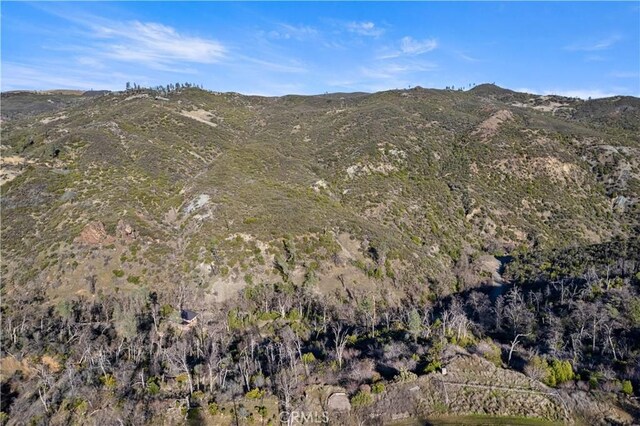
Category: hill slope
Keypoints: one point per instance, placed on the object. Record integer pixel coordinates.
(399, 197)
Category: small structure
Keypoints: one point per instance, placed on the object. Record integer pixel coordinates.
(188, 317)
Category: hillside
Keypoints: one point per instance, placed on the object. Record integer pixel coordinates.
(388, 213)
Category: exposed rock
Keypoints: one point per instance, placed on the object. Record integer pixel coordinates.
(126, 231)
(619, 203)
(490, 126)
(201, 115)
(197, 203)
(339, 401)
(319, 185)
(489, 265)
(94, 233)
(68, 195)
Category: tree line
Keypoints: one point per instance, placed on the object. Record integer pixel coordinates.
(567, 316)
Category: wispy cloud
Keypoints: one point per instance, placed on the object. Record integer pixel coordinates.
(595, 58)
(466, 57)
(594, 45)
(366, 28)
(409, 46)
(295, 32)
(291, 67)
(26, 76)
(155, 43)
(394, 70)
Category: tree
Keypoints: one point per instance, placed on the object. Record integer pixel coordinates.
(414, 324)
(562, 370)
(514, 342)
(178, 356)
(286, 383)
(340, 338)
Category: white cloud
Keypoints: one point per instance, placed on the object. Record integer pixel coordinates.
(411, 47)
(155, 43)
(366, 28)
(89, 61)
(466, 57)
(594, 45)
(393, 70)
(25, 76)
(296, 32)
(292, 67)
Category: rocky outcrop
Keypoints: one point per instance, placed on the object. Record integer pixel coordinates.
(489, 127)
(94, 233)
(125, 231)
(339, 401)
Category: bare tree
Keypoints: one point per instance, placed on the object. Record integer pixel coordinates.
(340, 338)
(178, 356)
(514, 342)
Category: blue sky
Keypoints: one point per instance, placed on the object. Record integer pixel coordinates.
(574, 49)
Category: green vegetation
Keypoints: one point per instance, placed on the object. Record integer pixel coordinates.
(341, 241)
(255, 393)
(377, 388)
(133, 279)
(361, 399)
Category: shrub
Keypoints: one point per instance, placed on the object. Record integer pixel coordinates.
(213, 408)
(377, 387)
(432, 367)
(361, 399)
(552, 375)
(594, 380)
(133, 279)
(405, 376)
(308, 358)
(182, 378)
(153, 386)
(118, 273)
(627, 387)
(108, 381)
(166, 310)
(562, 370)
(255, 393)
